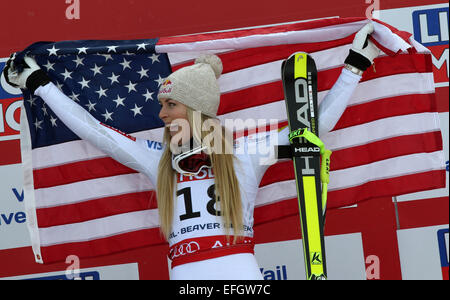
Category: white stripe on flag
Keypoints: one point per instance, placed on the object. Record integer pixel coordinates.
(99, 228)
(391, 86)
(92, 189)
(79, 150)
(345, 178)
(388, 168)
(381, 129)
(321, 34)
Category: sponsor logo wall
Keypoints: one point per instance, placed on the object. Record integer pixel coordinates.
(404, 238)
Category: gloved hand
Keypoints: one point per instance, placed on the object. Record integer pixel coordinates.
(363, 51)
(31, 77)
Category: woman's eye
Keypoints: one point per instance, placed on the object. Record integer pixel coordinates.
(172, 104)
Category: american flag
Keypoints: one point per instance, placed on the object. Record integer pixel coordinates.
(79, 201)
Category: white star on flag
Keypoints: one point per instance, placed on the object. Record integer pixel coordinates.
(143, 72)
(160, 80)
(136, 110)
(148, 95)
(53, 121)
(66, 74)
(90, 106)
(107, 115)
(125, 64)
(101, 92)
(78, 61)
(37, 124)
(114, 78)
(49, 66)
(112, 48)
(82, 50)
(142, 46)
(131, 86)
(119, 101)
(154, 57)
(84, 83)
(53, 50)
(96, 69)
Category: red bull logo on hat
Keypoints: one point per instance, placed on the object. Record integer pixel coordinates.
(166, 87)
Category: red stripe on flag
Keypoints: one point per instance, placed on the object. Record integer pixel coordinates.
(387, 188)
(251, 97)
(385, 108)
(364, 154)
(385, 149)
(274, 211)
(78, 171)
(383, 66)
(96, 208)
(281, 171)
(273, 91)
(103, 246)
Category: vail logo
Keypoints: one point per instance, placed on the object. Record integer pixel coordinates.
(280, 273)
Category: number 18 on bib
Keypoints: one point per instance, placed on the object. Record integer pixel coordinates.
(299, 75)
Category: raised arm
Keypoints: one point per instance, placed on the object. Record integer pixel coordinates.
(127, 150)
(360, 57)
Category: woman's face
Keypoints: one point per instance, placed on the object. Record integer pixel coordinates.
(174, 116)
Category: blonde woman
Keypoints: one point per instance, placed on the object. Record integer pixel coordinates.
(206, 182)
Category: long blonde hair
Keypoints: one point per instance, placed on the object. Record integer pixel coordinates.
(227, 191)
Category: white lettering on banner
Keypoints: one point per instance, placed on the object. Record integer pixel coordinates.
(2, 126)
(443, 24)
(8, 116)
(73, 270)
(424, 33)
(431, 26)
(373, 270)
(218, 244)
(439, 62)
(73, 10)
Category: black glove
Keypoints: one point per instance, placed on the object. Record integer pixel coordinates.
(31, 77)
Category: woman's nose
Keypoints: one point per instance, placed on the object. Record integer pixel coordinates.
(162, 113)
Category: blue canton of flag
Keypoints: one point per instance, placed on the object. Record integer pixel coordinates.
(116, 81)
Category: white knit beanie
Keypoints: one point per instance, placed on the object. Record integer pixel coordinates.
(196, 86)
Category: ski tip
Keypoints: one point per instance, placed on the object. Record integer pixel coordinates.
(299, 52)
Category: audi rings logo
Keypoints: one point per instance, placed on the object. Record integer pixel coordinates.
(183, 249)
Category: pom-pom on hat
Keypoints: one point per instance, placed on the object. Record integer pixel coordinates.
(196, 86)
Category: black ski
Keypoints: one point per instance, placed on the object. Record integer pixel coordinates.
(299, 75)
